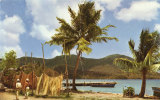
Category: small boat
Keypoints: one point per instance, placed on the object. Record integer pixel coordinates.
(94, 84)
(156, 91)
(109, 84)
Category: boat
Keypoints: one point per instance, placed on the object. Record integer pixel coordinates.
(156, 91)
(94, 84)
(108, 84)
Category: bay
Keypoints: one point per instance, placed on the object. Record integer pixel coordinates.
(121, 84)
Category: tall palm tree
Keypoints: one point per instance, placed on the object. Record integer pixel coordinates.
(146, 58)
(82, 31)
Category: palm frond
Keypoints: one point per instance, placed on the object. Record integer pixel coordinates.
(131, 46)
(72, 13)
(124, 63)
(104, 39)
(65, 27)
(83, 46)
(96, 16)
(107, 27)
(154, 67)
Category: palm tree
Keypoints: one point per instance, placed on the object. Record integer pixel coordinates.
(145, 58)
(82, 31)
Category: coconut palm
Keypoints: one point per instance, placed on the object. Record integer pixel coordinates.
(146, 58)
(82, 31)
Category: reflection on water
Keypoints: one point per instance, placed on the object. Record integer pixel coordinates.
(135, 83)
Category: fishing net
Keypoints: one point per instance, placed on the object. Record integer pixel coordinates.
(15, 80)
(32, 80)
(49, 85)
(10, 81)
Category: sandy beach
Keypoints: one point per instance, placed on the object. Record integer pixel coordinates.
(76, 96)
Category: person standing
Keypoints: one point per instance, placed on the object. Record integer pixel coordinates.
(18, 88)
(26, 88)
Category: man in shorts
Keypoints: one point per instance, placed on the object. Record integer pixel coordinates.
(26, 88)
(18, 88)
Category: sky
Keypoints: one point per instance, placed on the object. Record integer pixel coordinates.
(25, 24)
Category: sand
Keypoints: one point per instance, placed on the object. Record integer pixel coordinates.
(75, 96)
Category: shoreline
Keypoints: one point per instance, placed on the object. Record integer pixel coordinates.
(78, 96)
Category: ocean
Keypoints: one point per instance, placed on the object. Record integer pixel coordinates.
(121, 84)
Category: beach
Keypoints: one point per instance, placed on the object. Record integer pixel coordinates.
(77, 96)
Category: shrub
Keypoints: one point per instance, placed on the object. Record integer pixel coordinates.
(129, 92)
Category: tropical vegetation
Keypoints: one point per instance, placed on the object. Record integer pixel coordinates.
(145, 58)
(81, 33)
(9, 61)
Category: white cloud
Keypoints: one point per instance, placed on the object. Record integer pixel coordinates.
(110, 4)
(73, 51)
(106, 5)
(41, 32)
(55, 53)
(44, 16)
(16, 48)
(146, 10)
(13, 25)
(45, 12)
(157, 27)
(10, 30)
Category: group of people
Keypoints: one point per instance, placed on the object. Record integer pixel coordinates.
(19, 87)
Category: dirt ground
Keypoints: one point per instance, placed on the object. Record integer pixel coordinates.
(74, 96)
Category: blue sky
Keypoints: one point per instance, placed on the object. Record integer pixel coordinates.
(25, 24)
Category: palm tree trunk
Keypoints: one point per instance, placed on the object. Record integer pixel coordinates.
(75, 72)
(66, 72)
(143, 87)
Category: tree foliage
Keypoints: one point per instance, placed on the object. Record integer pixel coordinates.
(83, 28)
(81, 32)
(146, 57)
(9, 60)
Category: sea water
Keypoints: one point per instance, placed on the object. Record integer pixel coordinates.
(121, 84)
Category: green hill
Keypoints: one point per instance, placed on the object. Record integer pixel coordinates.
(88, 67)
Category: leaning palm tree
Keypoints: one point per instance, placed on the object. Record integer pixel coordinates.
(146, 58)
(82, 31)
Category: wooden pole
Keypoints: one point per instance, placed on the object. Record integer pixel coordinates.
(25, 58)
(43, 56)
(32, 73)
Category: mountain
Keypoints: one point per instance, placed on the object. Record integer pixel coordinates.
(88, 67)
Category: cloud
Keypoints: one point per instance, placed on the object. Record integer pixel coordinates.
(146, 10)
(157, 27)
(55, 53)
(16, 48)
(104, 5)
(10, 30)
(110, 4)
(41, 32)
(44, 15)
(73, 51)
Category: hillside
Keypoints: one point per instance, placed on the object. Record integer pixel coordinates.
(88, 67)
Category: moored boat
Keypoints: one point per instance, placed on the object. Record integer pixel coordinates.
(156, 91)
(109, 84)
(94, 84)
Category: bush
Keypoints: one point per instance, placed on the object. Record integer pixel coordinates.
(129, 92)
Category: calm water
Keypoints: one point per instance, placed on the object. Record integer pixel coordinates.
(135, 83)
